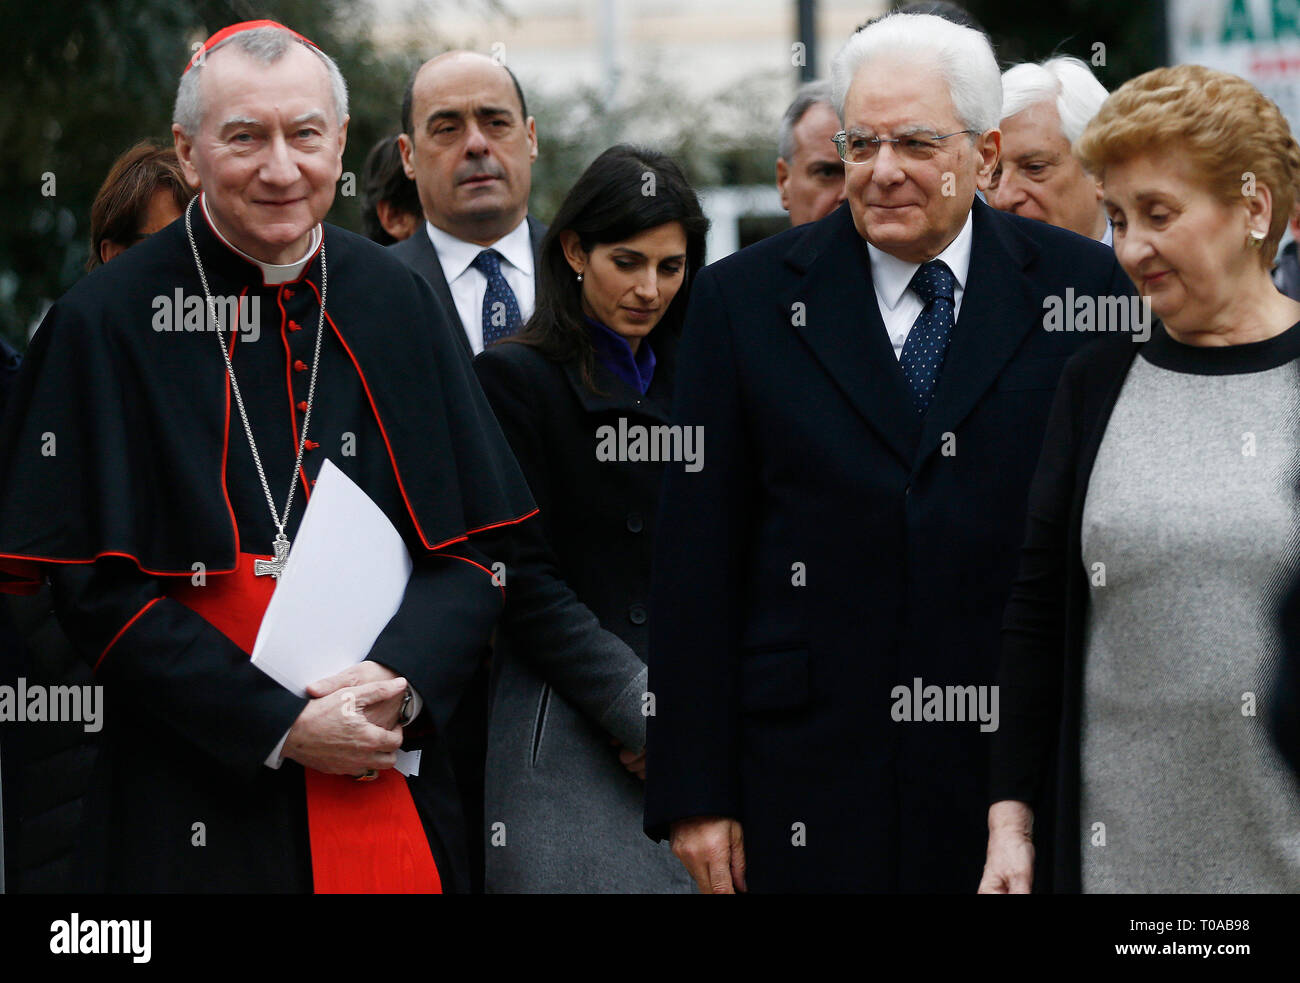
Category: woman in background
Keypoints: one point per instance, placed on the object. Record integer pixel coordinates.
(144, 191)
(595, 360)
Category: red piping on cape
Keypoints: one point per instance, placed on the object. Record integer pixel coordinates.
(225, 494)
(393, 460)
(225, 440)
(288, 385)
(500, 587)
(28, 558)
(122, 631)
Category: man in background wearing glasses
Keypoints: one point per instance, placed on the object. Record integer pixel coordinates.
(829, 588)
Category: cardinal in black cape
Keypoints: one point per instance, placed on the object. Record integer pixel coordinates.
(129, 477)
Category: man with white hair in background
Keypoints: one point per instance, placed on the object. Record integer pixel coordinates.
(1044, 110)
(809, 172)
(828, 590)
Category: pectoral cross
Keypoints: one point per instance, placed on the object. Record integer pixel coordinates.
(273, 568)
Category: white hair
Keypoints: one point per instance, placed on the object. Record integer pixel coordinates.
(961, 55)
(1066, 82)
(266, 45)
(810, 94)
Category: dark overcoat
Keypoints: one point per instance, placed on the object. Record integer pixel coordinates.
(836, 546)
(571, 811)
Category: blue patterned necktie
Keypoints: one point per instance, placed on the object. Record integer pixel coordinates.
(927, 342)
(500, 306)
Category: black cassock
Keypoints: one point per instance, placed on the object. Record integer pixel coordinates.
(124, 465)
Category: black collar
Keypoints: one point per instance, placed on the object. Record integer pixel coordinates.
(219, 258)
(1165, 352)
(618, 396)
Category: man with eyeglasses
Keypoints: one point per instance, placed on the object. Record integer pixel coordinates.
(872, 390)
(1045, 109)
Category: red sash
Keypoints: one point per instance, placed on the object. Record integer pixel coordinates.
(366, 837)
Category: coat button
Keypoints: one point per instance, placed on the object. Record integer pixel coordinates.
(299, 365)
(311, 445)
(302, 406)
(288, 292)
(634, 522)
(295, 326)
(636, 614)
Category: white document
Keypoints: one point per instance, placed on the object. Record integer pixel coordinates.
(343, 582)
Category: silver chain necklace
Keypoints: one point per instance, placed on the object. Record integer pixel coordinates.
(265, 568)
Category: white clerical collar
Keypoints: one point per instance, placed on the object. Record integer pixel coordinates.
(456, 255)
(892, 276)
(272, 273)
(1109, 238)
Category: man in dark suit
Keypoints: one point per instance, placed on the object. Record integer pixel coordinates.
(469, 144)
(828, 588)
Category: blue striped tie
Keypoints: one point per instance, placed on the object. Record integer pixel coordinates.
(927, 342)
(500, 306)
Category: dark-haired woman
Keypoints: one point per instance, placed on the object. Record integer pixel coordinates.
(591, 370)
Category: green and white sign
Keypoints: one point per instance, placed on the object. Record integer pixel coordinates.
(1256, 39)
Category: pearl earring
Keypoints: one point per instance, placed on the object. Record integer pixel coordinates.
(579, 277)
(1256, 238)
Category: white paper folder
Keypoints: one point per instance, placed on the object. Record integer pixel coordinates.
(344, 580)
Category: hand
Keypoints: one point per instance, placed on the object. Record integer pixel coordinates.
(334, 734)
(1009, 864)
(633, 761)
(712, 848)
(384, 713)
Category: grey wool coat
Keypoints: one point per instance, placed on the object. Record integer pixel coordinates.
(561, 813)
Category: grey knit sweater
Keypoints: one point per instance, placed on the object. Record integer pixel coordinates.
(1189, 536)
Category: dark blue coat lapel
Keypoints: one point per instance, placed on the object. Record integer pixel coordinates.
(840, 322)
(999, 307)
(536, 233)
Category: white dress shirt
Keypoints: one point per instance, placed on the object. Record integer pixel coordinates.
(468, 285)
(891, 276)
